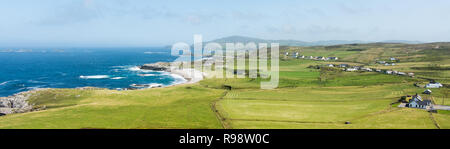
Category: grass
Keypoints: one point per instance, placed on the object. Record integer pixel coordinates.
(175, 107)
(299, 111)
(300, 102)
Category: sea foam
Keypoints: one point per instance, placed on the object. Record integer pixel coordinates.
(95, 77)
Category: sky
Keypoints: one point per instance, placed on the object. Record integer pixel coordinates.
(165, 22)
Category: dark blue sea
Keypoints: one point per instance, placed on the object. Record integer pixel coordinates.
(113, 68)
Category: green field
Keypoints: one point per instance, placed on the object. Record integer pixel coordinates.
(175, 107)
(301, 101)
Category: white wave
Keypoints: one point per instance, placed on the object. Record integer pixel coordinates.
(146, 75)
(95, 77)
(34, 81)
(135, 68)
(155, 52)
(119, 66)
(34, 87)
(118, 78)
(114, 70)
(178, 79)
(6, 82)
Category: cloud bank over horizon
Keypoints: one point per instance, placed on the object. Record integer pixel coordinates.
(155, 22)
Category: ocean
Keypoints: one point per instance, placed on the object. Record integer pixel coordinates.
(113, 68)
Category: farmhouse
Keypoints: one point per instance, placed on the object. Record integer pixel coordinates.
(420, 104)
(411, 74)
(329, 65)
(343, 65)
(433, 85)
(417, 102)
(381, 62)
(388, 72)
(321, 58)
(428, 91)
(302, 56)
(393, 59)
(351, 69)
(401, 73)
(367, 69)
(332, 58)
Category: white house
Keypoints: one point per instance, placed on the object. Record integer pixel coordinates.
(367, 69)
(321, 58)
(420, 104)
(332, 58)
(401, 73)
(393, 59)
(433, 85)
(351, 69)
(388, 72)
(428, 91)
(343, 65)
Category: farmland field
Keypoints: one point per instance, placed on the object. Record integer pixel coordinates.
(301, 101)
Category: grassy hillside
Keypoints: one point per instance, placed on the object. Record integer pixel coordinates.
(175, 107)
(302, 100)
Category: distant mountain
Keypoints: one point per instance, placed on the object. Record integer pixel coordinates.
(243, 39)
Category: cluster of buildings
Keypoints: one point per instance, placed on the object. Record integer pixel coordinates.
(387, 63)
(433, 84)
(347, 67)
(322, 58)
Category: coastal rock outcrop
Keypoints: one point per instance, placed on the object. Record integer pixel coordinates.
(189, 74)
(16, 103)
(160, 66)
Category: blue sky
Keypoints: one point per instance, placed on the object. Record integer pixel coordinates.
(154, 23)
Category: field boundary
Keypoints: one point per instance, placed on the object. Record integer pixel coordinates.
(285, 121)
(219, 116)
(434, 121)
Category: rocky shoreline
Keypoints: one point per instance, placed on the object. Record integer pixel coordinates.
(18, 103)
(190, 75)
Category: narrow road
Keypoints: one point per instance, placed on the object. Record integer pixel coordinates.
(441, 107)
